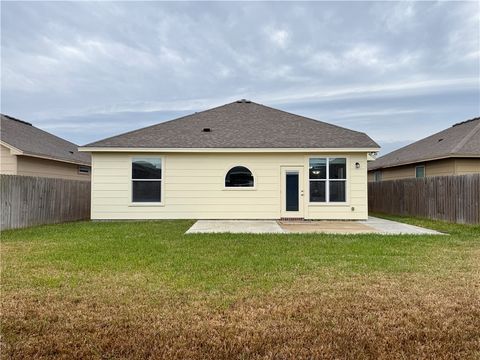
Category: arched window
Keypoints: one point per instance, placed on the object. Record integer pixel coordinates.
(239, 176)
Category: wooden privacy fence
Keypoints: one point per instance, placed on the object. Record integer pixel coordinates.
(450, 198)
(28, 201)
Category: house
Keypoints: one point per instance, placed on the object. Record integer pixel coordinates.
(30, 151)
(453, 151)
(238, 161)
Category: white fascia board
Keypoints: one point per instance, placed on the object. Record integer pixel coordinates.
(226, 150)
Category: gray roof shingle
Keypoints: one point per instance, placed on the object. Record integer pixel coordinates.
(241, 124)
(460, 140)
(36, 142)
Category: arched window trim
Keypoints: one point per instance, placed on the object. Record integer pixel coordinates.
(240, 188)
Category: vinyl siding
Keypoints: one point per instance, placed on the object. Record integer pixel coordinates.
(439, 167)
(193, 187)
(467, 166)
(443, 167)
(8, 162)
(399, 172)
(32, 166)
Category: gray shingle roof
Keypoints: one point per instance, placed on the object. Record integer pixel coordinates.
(460, 140)
(34, 141)
(241, 124)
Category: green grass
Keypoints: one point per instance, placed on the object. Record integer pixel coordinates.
(133, 289)
(158, 254)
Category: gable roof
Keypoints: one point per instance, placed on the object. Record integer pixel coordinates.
(241, 124)
(33, 141)
(460, 140)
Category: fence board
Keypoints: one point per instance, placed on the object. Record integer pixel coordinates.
(28, 201)
(450, 198)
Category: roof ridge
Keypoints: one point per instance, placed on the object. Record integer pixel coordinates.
(39, 129)
(158, 123)
(466, 138)
(240, 124)
(15, 119)
(309, 119)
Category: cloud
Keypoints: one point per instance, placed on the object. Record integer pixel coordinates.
(278, 37)
(372, 66)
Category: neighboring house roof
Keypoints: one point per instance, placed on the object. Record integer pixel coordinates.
(460, 140)
(241, 124)
(32, 141)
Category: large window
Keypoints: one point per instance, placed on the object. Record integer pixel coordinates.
(146, 180)
(328, 179)
(239, 176)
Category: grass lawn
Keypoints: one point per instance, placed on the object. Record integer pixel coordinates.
(145, 290)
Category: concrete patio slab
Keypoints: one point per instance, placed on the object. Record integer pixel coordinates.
(371, 226)
(384, 226)
(326, 226)
(235, 226)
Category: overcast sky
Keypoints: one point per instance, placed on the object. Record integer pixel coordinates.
(396, 70)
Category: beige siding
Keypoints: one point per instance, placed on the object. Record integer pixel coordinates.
(439, 167)
(399, 172)
(194, 187)
(8, 162)
(467, 166)
(32, 166)
(443, 167)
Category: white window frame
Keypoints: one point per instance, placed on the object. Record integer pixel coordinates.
(424, 172)
(162, 182)
(239, 188)
(327, 181)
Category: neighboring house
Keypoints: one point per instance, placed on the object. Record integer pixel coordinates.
(238, 161)
(30, 151)
(454, 151)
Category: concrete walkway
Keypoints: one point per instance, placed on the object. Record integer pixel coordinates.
(371, 226)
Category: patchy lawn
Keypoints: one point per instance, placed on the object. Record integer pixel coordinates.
(144, 289)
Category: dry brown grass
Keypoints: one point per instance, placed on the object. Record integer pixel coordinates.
(356, 318)
(144, 290)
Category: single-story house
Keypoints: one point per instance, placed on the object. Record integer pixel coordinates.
(29, 151)
(237, 161)
(453, 151)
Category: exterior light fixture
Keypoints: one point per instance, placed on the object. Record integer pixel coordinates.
(357, 165)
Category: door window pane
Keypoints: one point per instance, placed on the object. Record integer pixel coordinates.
(317, 191)
(292, 192)
(337, 168)
(318, 168)
(146, 191)
(337, 191)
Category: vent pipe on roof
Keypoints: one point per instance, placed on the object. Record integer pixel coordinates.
(206, 130)
(243, 101)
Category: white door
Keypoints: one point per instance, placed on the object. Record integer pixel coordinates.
(292, 192)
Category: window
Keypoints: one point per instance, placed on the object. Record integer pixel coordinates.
(82, 169)
(328, 179)
(146, 180)
(239, 176)
(420, 171)
(377, 176)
